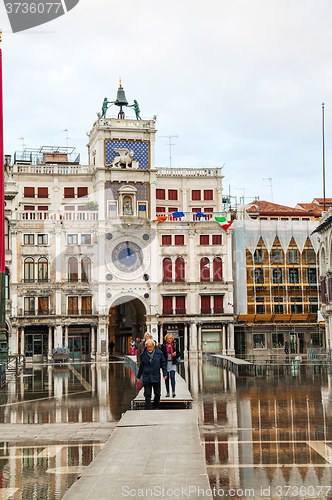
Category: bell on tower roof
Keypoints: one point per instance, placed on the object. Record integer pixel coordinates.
(121, 100)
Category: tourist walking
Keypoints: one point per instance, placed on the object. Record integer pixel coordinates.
(171, 354)
(151, 360)
(132, 347)
(111, 346)
(141, 347)
(286, 347)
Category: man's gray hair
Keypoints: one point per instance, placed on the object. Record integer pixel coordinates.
(150, 341)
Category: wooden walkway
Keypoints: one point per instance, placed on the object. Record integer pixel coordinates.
(236, 365)
(149, 454)
(182, 399)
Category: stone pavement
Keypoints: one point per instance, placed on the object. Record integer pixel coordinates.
(150, 453)
(98, 432)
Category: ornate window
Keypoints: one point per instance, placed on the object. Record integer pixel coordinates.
(179, 269)
(72, 269)
(86, 269)
(217, 269)
(42, 270)
(205, 269)
(29, 270)
(167, 270)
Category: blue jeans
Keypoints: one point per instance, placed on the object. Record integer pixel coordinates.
(172, 375)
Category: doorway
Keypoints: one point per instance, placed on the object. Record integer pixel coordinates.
(36, 346)
(79, 348)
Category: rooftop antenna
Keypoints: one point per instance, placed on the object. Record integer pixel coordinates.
(323, 127)
(23, 145)
(67, 138)
(271, 185)
(170, 144)
(242, 197)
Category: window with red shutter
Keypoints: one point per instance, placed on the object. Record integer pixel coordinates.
(196, 209)
(204, 239)
(205, 304)
(42, 208)
(160, 210)
(217, 269)
(195, 194)
(81, 192)
(218, 304)
(29, 207)
(167, 270)
(69, 193)
(160, 194)
(179, 239)
(167, 305)
(172, 194)
(42, 192)
(172, 209)
(205, 269)
(29, 192)
(180, 305)
(208, 194)
(216, 239)
(166, 239)
(179, 269)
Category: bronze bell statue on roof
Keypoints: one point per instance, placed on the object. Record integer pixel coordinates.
(121, 101)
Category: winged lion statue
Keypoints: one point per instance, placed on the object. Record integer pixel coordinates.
(124, 159)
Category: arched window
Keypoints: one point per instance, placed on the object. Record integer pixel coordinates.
(29, 271)
(72, 269)
(42, 270)
(167, 270)
(205, 269)
(179, 270)
(217, 269)
(86, 269)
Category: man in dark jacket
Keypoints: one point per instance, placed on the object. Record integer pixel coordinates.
(152, 359)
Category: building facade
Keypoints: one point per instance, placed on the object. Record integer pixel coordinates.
(276, 263)
(115, 248)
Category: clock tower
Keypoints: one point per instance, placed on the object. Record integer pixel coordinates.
(122, 152)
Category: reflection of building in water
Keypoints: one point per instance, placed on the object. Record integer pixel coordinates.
(114, 248)
(90, 393)
(276, 279)
(265, 426)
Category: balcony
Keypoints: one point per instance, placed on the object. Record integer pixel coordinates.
(76, 279)
(39, 280)
(81, 312)
(212, 310)
(191, 216)
(55, 215)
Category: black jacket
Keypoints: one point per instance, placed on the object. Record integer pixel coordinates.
(164, 351)
(151, 371)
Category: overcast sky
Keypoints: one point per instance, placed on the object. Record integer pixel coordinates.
(240, 82)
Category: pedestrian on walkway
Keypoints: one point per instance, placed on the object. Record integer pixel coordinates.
(111, 346)
(152, 359)
(286, 347)
(141, 347)
(132, 347)
(171, 354)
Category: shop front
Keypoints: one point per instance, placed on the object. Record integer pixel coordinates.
(211, 338)
(177, 330)
(79, 343)
(36, 343)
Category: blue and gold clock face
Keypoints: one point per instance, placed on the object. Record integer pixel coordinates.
(127, 256)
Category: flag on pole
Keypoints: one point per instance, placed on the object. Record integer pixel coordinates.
(223, 222)
(160, 218)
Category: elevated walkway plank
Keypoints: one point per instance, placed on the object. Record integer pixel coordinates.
(148, 451)
(182, 398)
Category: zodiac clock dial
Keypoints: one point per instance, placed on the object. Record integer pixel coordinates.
(127, 256)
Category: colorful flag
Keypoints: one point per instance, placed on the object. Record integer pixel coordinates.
(200, 214)
(178, 214)
(160, 218)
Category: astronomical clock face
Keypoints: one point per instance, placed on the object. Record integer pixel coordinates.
(127, 259)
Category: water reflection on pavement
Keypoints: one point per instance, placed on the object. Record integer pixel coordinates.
(57, 395)
(268, 436)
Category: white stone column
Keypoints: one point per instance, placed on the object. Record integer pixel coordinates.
(230, 334)
(185, 349)
(193, 341)
(66, 335)
(224, 347)
(102, 348)
(22, 341)
(93, 342)
(161, 333)
(13, 341)
(153, 200)
(199, 328)
(58, 336)
(50, 344)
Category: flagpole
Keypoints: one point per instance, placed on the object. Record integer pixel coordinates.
(323, 130)
(3, 340)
